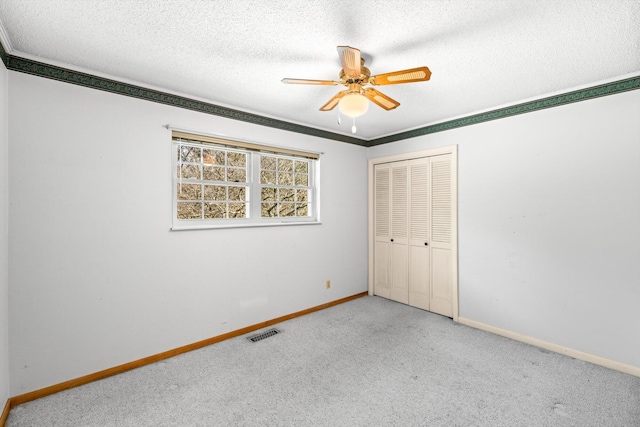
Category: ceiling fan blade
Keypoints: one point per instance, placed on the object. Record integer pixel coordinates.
(350, 60)
(310, 82)
(420, 74)
(380, 99)
(333, 101)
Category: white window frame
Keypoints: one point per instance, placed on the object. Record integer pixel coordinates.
(253, 184)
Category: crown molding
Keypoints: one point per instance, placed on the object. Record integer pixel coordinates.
(5, 44)
(40, 69)
(3, 53)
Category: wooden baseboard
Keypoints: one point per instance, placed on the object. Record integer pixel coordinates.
(37, 394)
(576, 354)
(5, 413)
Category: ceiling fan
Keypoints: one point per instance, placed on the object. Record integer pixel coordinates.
(355, 76)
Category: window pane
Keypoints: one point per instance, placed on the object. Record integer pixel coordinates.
(237, 210)
(189, 154)
(287, 209)
(189, 192)
(215, 210)
(215, 183)
(267, 163)
(268, 194)
(236, 175)
(302, 195)
(189, 171)
(302, 166)
(189, 210)
(286, 195)
(213, 173)
(285, 165)
(213, 157)
(302, 209)
(237, 193)
(215, 192)
(268, 210)
(302, 180)
(285, 178)
(267, 177)
(237, 159)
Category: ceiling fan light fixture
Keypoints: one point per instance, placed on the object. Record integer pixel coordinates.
(353, 105)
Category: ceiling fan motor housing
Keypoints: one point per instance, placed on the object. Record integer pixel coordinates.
(361, 80)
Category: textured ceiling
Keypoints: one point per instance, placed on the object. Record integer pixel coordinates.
(483, 54)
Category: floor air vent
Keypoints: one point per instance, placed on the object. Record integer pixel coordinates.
(263, 335)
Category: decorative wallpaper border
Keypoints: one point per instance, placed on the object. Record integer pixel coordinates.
(40, 69)
(526, 107)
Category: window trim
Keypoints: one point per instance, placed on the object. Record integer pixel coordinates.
(253, 183)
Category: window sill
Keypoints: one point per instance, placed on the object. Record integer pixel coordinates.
(243, 225)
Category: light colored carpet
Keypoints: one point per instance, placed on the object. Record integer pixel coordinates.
(368, 362)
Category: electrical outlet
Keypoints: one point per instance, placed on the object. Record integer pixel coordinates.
(328, 284)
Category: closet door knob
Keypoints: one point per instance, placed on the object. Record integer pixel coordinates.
(426, 244)
(392, 240)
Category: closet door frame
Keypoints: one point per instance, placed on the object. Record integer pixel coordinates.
(453, 150)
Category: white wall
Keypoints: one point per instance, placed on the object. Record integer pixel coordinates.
(4, 238)
(97, 279)
(549, 208)
(549, 223)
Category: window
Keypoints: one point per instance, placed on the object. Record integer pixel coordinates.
(223, 183)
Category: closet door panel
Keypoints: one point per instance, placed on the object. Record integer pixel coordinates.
(399, 232)
(382, 230)
(419, 250)
(441, 300)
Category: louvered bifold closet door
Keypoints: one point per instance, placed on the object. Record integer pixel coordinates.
(441, 297)
(419, 233)
(400, 232)
(382, 230)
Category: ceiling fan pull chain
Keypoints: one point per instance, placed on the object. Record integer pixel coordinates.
(353, 128)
